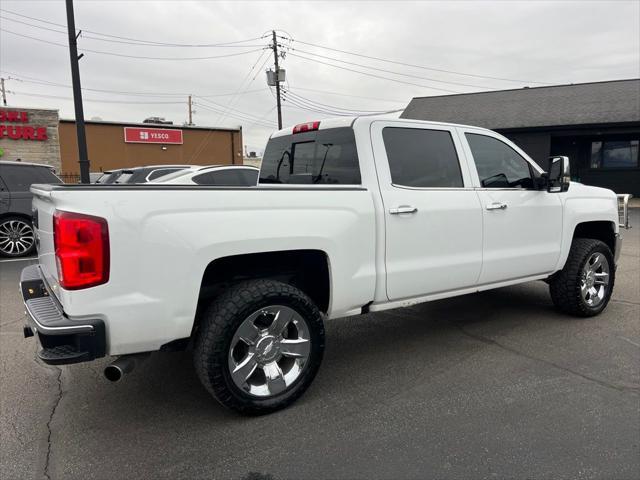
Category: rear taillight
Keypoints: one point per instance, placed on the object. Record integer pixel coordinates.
(306, 127)
(82, 250)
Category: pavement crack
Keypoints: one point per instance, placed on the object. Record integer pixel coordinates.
(490, 341)
(53, 412)
(16, 434)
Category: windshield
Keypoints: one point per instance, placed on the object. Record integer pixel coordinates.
(317, 157)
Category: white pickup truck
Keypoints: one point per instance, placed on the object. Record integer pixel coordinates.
(350, 216)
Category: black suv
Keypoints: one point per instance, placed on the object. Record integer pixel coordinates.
(16, 231)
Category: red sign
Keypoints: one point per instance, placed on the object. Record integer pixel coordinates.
(20, 132)
(152, 135)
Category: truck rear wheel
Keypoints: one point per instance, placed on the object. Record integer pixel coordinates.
(584, 286)
(259, 346)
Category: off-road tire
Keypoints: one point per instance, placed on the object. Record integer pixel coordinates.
(218, 324)
(565, 285)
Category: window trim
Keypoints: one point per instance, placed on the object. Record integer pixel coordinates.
(533, 166)
(406, 187)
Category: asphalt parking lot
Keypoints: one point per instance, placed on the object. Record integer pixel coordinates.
(491, 385)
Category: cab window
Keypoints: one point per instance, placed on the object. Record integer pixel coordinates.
(422, 158)
(499, 165)
(316, 157)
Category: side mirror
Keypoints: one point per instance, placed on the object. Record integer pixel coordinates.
(559, 174)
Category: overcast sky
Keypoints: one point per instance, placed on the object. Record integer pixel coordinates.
(532, 42)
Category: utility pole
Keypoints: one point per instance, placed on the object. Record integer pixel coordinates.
(277, 78)
(190, 112)
(4, 93)
(83, 157)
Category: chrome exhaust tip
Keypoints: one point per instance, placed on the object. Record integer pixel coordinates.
(123, 365)
(113, 373)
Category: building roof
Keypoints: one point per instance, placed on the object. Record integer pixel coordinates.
(615, 101)
(151, 125)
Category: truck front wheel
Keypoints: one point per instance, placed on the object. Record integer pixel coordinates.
(259, 345)
(584, 286)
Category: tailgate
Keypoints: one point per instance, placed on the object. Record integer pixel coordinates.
(43, 210)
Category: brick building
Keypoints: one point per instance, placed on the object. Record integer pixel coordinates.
(30, 135)
(39, 136)
(110, 148)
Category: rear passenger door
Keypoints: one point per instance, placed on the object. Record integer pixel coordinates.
(432, 214)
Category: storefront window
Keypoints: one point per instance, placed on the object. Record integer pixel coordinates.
(614, 154)
(596, 154)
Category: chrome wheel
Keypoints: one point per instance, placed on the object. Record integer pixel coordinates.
(269, 351)
(16, 237)
(594, 281)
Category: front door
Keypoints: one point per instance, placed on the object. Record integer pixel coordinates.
(522, 226)
(432, 215)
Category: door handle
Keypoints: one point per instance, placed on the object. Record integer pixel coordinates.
(497, 206)
(402, 209)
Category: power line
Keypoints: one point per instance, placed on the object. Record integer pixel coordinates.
(237, 116)
(213, 104)
(140, 41)
(241, 84)
(234, 113)
(372, 74)
(125, 42)
(348, 95)
(453, 72)
(293, 103)
(262, 117)
(132, 56)
(331, 107)
(38, 81)
(314, 108)
(392, 71)
(217, 108)
(97, 100)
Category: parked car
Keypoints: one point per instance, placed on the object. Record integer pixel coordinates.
(350, 216)
(148, 173)
(95, 176)
(109, 176)
(220, 175)
(17, 237)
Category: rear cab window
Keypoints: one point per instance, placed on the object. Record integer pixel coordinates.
(326, 157)
(422, 158)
